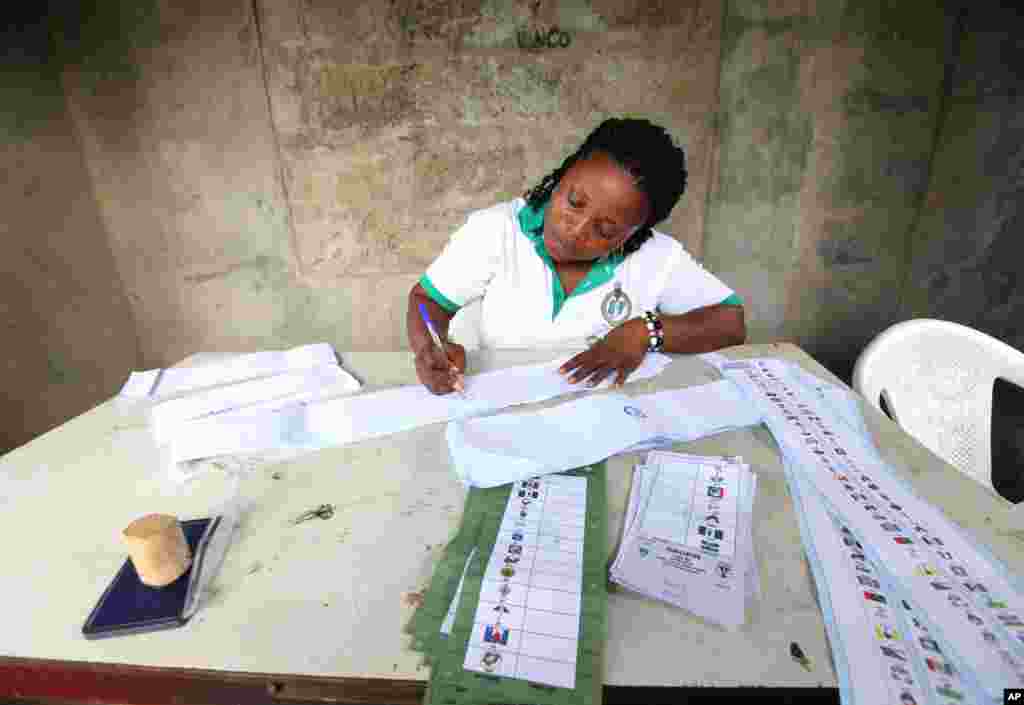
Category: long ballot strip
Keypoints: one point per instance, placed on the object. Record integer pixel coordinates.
(879, 627)
(524, 579)
(916, 611)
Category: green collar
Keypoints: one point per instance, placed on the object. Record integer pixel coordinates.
(531, 222)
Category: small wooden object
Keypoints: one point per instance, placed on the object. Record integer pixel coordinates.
(157, 547)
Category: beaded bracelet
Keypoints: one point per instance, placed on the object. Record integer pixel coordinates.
(655, 332)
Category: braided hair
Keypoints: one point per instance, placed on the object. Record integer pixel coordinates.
(644, 151)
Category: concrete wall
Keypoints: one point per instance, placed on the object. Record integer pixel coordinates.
(278, 172)
(273, 172)
(176, 130)
(67, 331)
(967, 250)
(828, 122)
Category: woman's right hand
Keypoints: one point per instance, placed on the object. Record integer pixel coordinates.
(438, 373)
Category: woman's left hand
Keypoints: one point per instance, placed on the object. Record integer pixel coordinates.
(619, 352)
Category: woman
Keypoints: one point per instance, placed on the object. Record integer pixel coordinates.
(576, 263)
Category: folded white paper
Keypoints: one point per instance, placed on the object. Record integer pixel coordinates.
(292, 423)
(159, 383)
(168, 417)
(364, 416)
(496, 450)
(251, 431)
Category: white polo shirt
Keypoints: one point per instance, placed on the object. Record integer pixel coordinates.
(499, 256)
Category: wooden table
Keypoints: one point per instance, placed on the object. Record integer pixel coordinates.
(314, 612)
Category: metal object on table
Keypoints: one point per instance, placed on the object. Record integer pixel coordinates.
(324, 511)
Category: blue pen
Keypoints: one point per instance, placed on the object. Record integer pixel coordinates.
(440, 345)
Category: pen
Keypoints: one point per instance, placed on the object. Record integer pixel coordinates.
(799, 656)
(459, 387)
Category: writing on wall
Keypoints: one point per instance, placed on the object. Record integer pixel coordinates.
(552, 38)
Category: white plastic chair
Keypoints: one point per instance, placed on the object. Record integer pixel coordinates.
(936, 380)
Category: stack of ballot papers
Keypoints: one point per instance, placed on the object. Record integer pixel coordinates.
(687, 536)
(161, 383)
(245, 403)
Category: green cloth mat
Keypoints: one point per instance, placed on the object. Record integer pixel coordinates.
(425, 625)
(450, 683)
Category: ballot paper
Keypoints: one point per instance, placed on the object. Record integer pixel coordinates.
(257, 429)
(944, 618)
(168, 418)
(341, 421)
(298, 425)
(641, 492)
(889, 650)
(527, 621)
(161, 383)
(191, 420)
(467, 610)
(687, 537)
(495, 450)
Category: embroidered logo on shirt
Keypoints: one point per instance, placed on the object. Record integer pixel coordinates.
(616, 306)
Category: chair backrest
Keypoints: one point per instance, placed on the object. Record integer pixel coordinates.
(936, 380)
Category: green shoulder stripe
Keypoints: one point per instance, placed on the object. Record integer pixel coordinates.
(439, 298)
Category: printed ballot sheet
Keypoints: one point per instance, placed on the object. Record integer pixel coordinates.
(892, 654)
(902, 559)
(687, 538)
(448, 623)
(527, 622)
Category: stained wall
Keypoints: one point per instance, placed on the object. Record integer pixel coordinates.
(266, 173)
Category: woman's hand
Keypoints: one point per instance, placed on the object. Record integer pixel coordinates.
(438, 373)
(619, 352)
